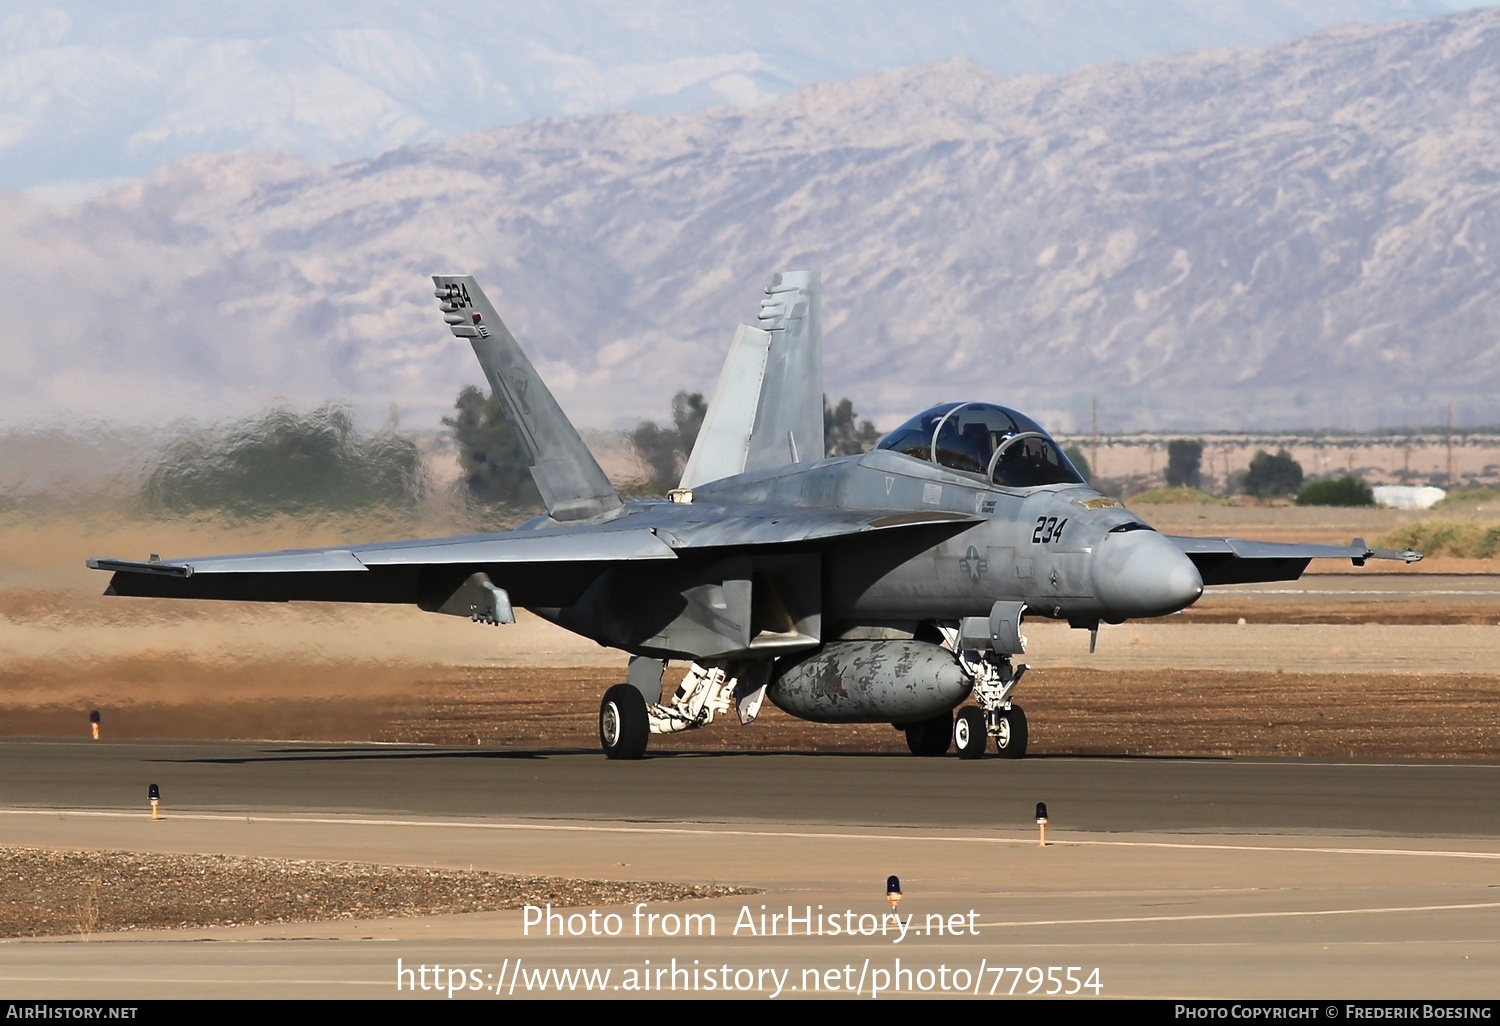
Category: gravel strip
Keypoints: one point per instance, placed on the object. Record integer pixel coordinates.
(51, 893)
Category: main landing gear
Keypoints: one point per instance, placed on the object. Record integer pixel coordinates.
(930, 737)
(624, 724)
(627, 719)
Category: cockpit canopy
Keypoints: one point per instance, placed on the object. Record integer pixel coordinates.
(1004, 446)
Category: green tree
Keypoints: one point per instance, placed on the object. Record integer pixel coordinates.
(1080, 462)
(688, 411)
(1184, 462)
(843, 433)
(665, 450)
(287, 461)
(494, 471)
(1270, 476)
(1337, 491)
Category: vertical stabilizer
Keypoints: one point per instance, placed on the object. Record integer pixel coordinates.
(571, 482)
(724, 439)
(789, 416)
(767, 409)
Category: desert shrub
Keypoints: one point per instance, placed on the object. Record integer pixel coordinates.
(1337, 491)
(1466, 539)
(1177, 497)
(1466, 496)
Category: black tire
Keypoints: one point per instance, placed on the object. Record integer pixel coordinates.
(970, 736)
(930, 737)
(624, 726)
(1010, 743)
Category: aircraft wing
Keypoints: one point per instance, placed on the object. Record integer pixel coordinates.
(1241, 561)
(542, 566)
(549, 566)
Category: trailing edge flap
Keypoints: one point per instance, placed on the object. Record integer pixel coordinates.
(569, 478)
(767, 408)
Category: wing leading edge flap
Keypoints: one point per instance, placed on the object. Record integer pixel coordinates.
(538, 547)
(782, 526)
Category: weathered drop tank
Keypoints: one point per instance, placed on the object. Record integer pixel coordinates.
(899, 681)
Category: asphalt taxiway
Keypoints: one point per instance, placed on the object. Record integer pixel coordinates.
(1177, 878)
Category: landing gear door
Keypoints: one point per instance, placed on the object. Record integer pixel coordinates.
(1000, 632)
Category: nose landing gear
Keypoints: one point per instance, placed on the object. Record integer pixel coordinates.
(983, 648)
(1008, 726)
(970, 735)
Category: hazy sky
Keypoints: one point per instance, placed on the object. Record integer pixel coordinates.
(95, 91)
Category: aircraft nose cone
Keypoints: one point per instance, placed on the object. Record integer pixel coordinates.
(1140, 573)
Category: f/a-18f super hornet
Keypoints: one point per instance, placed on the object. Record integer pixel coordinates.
(888, 587)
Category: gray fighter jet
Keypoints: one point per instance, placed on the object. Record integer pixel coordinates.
(884, 588)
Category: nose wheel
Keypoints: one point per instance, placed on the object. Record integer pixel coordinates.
(970, 734)
(994, 677)
(1009, 728)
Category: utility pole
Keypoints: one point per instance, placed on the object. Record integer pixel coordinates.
(1450, 447)
(1094, 417)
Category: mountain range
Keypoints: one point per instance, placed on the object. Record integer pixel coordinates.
(95, 90)
(1303, 234)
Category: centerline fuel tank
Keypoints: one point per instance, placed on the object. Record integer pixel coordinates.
(886, 681)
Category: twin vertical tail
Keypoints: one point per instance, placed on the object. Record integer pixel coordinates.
(570, 480)
(767, 409)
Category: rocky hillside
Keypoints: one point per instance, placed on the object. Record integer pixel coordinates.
(98, 89)
(1305, 234)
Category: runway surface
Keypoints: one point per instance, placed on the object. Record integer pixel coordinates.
(1174, 878)
(1440, 799)
(1408, 586)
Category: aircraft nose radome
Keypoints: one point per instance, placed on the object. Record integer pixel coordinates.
(1140, 573)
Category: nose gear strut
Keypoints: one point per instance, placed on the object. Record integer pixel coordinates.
(983, 647)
